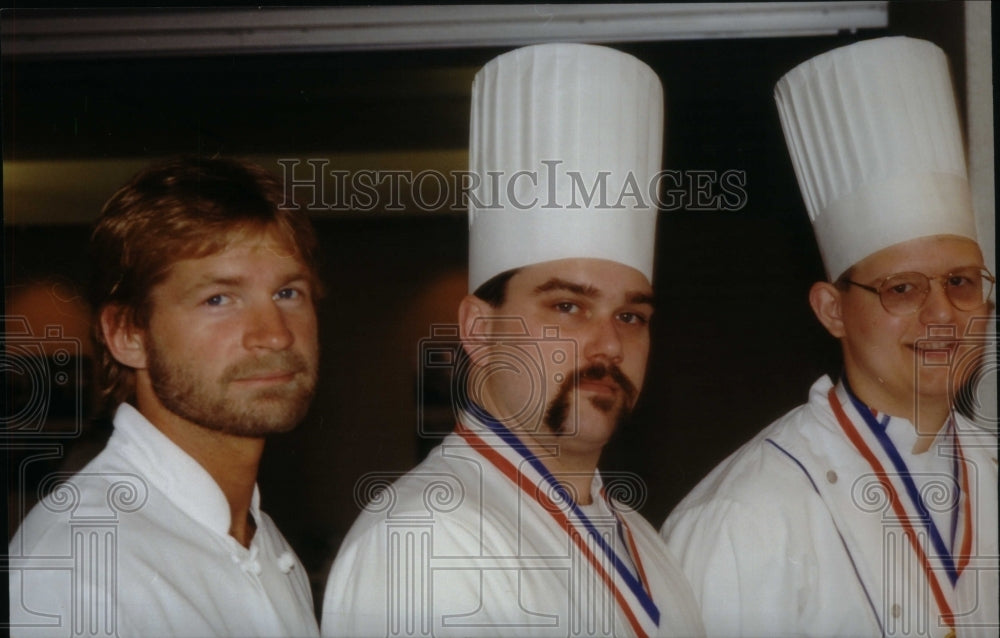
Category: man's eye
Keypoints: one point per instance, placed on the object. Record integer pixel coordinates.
(216, 300)
(959, 281)
(632, 318)
(567, 307)
(288, 293)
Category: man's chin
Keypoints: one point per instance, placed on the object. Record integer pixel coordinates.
(257, 418)
(605, 404)
(943, 381)
(596, 413)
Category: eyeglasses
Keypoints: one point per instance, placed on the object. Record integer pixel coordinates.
(905, 293)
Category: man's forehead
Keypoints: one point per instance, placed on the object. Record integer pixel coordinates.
(248, 239)
(587, 277)
(268, 238)
(210, 259)
(933, 254)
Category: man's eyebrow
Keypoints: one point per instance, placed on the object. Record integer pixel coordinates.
(589, 291)
(569, 286)
(640, 298)
(213, 280)
(210, 280)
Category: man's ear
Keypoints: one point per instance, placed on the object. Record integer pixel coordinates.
(125, 342)
(826, 302)
(471, 314)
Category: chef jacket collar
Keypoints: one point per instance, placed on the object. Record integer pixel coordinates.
(488, 428)
(174, 473)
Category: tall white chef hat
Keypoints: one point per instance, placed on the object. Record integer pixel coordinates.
(565, 146)
(874, 136)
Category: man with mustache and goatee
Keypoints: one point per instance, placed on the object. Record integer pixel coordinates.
(507, 528)
(203, 291)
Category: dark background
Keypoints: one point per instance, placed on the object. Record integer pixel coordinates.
(735, 344)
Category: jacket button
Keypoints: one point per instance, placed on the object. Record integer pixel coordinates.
(896, 610)
(831, 476)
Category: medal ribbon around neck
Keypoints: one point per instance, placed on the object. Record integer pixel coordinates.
(526, 470)
(875, 432)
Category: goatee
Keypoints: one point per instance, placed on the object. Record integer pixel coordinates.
(558, 411)
(254, 412)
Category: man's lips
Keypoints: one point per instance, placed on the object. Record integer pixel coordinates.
(604, 380)
(935, 353)
(600, 386)
(271, 376)
(940, 345)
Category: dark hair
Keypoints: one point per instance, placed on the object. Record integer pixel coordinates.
(494, 290)
(183, 208)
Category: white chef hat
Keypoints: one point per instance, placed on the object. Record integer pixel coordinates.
(550, 124)
(874, 136)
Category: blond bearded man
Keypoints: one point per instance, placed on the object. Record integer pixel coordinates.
(204, 293)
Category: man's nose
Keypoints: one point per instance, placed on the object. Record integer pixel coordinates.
(267, 328)
(603, 341)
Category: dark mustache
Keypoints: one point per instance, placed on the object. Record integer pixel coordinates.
(599, 371)
(555, 415)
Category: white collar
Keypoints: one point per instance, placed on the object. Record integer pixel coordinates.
(172, 471)
(903, 435)
(474, 422)
(936, 458)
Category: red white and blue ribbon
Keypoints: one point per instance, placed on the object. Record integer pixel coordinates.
(505, 451)
(934, 555)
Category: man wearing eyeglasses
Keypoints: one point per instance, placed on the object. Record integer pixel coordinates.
(872, 509)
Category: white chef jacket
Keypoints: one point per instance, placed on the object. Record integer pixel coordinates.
(137, 544)
(456, 548)
(790, 536)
